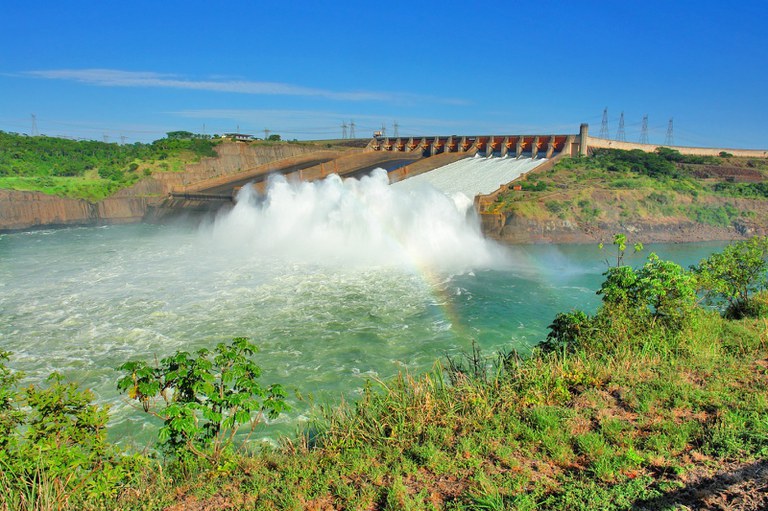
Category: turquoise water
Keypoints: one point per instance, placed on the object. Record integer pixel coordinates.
(327, 310)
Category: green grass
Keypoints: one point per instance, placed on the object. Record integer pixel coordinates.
(584, 430)
(580, 430)
(75, 188)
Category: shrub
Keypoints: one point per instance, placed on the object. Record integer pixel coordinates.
(734, 275)
(566, 331)
(206, 396)
(53, 446)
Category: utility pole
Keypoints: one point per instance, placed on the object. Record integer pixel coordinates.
(34, 132)
(344, 130)
(604, 125)
(644, 130)
(396, 133)
(352, 129)
(669, 139)
(620, 136)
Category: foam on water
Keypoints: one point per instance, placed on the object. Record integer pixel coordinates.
(356, 223)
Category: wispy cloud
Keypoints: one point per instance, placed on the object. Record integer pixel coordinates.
(148, 79)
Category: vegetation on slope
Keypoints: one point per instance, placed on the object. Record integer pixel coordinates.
(614, 186)
(88, 169)
(618, 409)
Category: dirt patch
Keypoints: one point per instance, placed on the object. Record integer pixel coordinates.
(732, 174)
(738, 487)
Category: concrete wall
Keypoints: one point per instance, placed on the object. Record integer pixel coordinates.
(594, 142)
(234, 158)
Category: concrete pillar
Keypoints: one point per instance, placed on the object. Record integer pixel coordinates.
(519, 147)
(571, 146)
(463, 145)
(583, 139)
(504, 148)
(489, 147)
(535, 147)
(551, 146)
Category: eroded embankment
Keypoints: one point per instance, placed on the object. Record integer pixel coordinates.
(515, 228)
(21, 210)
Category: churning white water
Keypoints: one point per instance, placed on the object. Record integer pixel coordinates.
(472, 176)
(356, 223)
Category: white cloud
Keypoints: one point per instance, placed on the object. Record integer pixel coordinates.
(118, 78)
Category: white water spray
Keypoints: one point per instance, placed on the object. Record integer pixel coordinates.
(353, 223)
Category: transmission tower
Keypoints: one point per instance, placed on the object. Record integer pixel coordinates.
(383, 130)
(122, 139)
(620, 135)
(604, 125)
(644, 130)
(344, 130)
(396, 129)
(34, 132)
(670, 138)
(106, 138)
(266, 133)
(352, 129)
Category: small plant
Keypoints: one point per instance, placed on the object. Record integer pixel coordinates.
(205, 397)
(735, 275)
(54, 452)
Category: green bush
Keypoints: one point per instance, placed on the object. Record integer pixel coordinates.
(205, 397)
(735, 275)
(53, 446)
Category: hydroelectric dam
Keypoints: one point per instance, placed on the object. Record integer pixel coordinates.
(475, 166)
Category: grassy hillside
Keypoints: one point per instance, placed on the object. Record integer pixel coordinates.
(88, 169)
(614, 186)
(636, 406)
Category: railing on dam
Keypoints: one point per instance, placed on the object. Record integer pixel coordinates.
(503, 145)
(201, 197)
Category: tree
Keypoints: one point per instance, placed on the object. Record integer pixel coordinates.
(274, 138)
(205, 396)
(735, 275)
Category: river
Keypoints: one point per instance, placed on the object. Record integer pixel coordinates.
(337, 282)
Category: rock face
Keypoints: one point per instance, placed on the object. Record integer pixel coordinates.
(28, 210)
(517, 230)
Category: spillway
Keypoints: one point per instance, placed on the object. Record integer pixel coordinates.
(473, 176)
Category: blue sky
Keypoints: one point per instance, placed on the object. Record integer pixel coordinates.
(106, 70)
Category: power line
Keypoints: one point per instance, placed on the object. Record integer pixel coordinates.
(644, 130)
(620, 135)
(670, 138)
(604, 125)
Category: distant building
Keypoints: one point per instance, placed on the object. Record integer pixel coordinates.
(240, 137)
